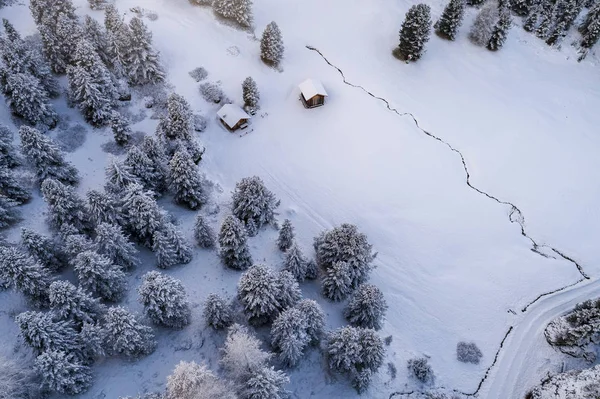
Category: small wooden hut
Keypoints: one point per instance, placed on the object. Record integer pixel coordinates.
(312, 93)
(233, 117)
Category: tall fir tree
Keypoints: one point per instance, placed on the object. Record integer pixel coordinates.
(520, 7)
(111, 242)
(234, 251)
(567, 12)
(165, 300)
(530, 22)
(46, 158)
(286, 235)
(295, 262)
(265, 382)
(94, 33)
(254, 204)
(366, 308)
(177, 126)
(592, 14)
(43, 249)
(25, 275)
(500, 30)
(65, 206)
(9, 157)
(171, 247)
(9, 213)
(120, 128)
(217, 312)
(13, 188)
(251, 95)
(271, 44)
(28, 100)
(239, 11)
(63, 372)
(118, 177)
(127, 336)
(289, 290)
(103, 208)
(155, 151)
(289, 337)
(483, 26)
(186, 182)
(73, 303)
(258, 291)
(98, 275)
(546, 19)
(60, 32)
(143, 216)
(117, 34)
(144, 169)
(590, 30)
(142, 64)
(415, 32)
(337, 284)
(203, 233)
(314, 317)
(451, 19)
(42, 333)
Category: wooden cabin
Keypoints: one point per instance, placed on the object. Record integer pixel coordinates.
(312, 93)
(233, 117)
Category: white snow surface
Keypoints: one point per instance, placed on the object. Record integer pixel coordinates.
(311, 87)
(231, 114)
(451, 264)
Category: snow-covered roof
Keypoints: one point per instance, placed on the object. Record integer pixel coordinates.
(231, 114)
(311, 88)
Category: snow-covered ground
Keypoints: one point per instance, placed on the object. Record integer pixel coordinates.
(451, 264)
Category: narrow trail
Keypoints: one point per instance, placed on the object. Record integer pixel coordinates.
(548, 303)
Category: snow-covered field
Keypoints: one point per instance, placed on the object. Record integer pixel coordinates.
(451, 264)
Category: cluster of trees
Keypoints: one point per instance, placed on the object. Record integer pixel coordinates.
(13, 190)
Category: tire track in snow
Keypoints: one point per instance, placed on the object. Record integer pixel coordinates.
(515, 216)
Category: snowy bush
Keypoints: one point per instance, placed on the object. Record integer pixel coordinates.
(314, 318)
(295, 262)
(265, 383)
(64, 205)
(234, 251)
(254, 204)
(286, 235)
(242, 354)
(186, 182)
(415, 32)
(259, 292)
(165, 300)
(203, 233)
(484, 23)
(420, 369)
(191, 380)
(212, 92)
(23, 273)
(239, 11)
(171, 247)
(42, 333)
(17, 380)
(63, 373)
(98, 275)
(217, 312)
(355, 352)
(111, 242)
(271, 45)
(72, 303)
(199, 74)
(468, 352)
(126, 335)
(289, 336)
(367, 307)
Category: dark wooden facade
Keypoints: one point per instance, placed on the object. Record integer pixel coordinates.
(315, 101)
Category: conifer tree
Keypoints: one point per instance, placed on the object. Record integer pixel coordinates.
(271, 45)
(484, 23)
(117, 34)
(9, 213)
(46, 158)
(258, 291)
(103, 208)
(533, 15)
(60, 32)
(451, 19)
(337, 284)
(12, 188)
(177, 126)
(25, 275)
(65, 206)
(120, 128)
(9, 157)
(239, 11)
(265, 383)
(144, 169)
(193, 381)
(546, 19)
(286, 235)
(593, 14)
(314, 318)
(217, 312)
(415, 32)
(500, 30)
(112, 243)
(95, 34)
(203, 233)
(72, 303)
(97, 4)
(165, 301)
(42, 333)
(98, 275)
(62, 372)
(93, 337)
(242, 354)
(186, 182)
(289, 290)
(367, 307)
(43, 249)
(254, 204)
(312, 270)
(568, 10)
(143, 216)
(118, 177)
(295, 262)
(590, 30)
(28, 100)
(74, 242)
(126, 335)
(251, 95)
(141, 61)
(234, 249)
(171, 247)
(156, 153)
(520, 7)
(289, 337)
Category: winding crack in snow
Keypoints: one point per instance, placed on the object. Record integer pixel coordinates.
(515, 216)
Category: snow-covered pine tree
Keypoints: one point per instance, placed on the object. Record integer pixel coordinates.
(186, 182)
(117, 37)
(345, 243)
(289, 337)
(74, 242)
(592, 14)
(45, 156)
(520, 7)
(203, 233)
(366, 308)
(60, 31)
(120, 128)
(12, 188)
(312, 270)
(337, 284)
(94, 33)
(111, 242)
(28, 100)
(484, 23)
(165, 300)
(295, 262)
(533, 15)
(42, 333)
(239, 11)
(271, 45)
(500, 30)
(171, 247)
(258, 291)
(177, 124)
(98, 275)
(97, 4)
(254, 204)
(356, 352)
(217, 312)
(126, 335)
(72, 303)
(242, 354)
(265, 383)
(289, 290)
(103, 208)
(64, 206)
(195, 381)
(143, 168)
(251, 95)
(314, 318)
(546, 19)
(286, 235)
(415, 32)
(91, 84)
(25, 275)
(62, 372)
(143, 216)
(451, 19)
(590, 30)
(118, 177)
(9, 156)
(233, 244)
(9, 213)
(155, 151)
(43, 249)
(567, 12)
(92, 337)
(141, 61)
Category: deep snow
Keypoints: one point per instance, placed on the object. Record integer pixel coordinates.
(451, 264)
